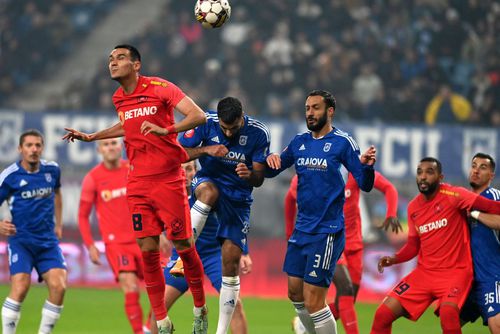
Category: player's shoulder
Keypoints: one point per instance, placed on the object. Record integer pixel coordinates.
(10, 170)
(212, 117)
(492, 193)
(156, 81)
(258, 127)
(344, 137)
(449, 190)
(49, 164)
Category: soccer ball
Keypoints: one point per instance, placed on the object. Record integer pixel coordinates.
(212, 13)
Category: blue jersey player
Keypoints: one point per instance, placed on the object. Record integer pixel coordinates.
(318, 239)
(484, 298)
(225, 184)
(32, 188)
(210, 254)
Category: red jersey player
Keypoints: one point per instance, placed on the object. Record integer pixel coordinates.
(438, 234)
(156, 192)
(347, 277)
(105, 187)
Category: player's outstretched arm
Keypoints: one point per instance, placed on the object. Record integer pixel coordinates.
(492, 221)
(111, 132)
(194, 116)
(58, 205)
(212, 150)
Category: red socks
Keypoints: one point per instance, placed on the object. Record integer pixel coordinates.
(133, 310)
(155, 283)
(193, 272)
(382, 324)
(348, 314)
(334, 310)
(450, 319)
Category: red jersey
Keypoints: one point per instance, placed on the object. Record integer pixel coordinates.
(106, 189)
(154, 100)
(441, 226)
(352, 215)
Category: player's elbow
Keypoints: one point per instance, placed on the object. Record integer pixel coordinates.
(201, 118)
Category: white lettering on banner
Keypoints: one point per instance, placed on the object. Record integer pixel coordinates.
(53, 130)
(484, 140)
(276, 130)
(78, 153)
(11, 125)
(433, 226)
(400, 149)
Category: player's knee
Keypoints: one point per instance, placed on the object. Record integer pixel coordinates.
(181, 245)
(19, 292)
(449, 317)
(494, 324)
(207, 192)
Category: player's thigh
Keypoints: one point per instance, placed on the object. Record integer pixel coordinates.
(144, 221)
(234, 220)
(453, 286)
(21, 257)
(124, 258)
(314, 297)
(205, 190)
(355, 265)
(487, 298)
(172, 208)
(414, 292)
(494, 324)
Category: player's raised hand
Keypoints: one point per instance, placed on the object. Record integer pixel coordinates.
(273, 160)
(393, 223)
(245, 264)
(73, 134)
(216, 150)
(95, 255)
(385, 261)
(148, 127)
(7, 228)
(369, 157)
(243, 171)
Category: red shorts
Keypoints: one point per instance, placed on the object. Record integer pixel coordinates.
(124, 258)
(158, 205)
(421, 287)
(353, 259)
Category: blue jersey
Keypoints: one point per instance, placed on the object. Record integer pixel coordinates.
(250, 145)
(320, 190)
(485, 245)
(31, 200)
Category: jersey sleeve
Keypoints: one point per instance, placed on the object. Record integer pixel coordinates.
(464, 198)
(58, 178)
(262, 148)
(170, 94)
(390, 193)
(363, 174)
(87, 199)
(193, 137)
(4, 191)
(89, 191)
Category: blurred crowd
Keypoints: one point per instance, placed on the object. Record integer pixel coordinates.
(34, 35)
(432, 61)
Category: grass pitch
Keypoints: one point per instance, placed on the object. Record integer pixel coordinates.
(94, 311)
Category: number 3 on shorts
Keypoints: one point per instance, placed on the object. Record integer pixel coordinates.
(137, 221)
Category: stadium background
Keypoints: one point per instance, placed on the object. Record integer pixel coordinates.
(390, 64)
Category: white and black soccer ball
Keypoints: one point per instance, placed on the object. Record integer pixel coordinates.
(212, 13)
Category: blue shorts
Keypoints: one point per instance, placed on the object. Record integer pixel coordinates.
(484, 301)
(312, 257)
(24, 255)
(212, 265)
(233, 216)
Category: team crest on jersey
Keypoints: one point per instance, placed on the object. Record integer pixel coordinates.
(142, 99)
(327, 146)
(437, 207)
(189, 133)
(243, 140)
(48, 177)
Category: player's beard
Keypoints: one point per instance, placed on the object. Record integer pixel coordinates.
(320, 123)
(431, 188)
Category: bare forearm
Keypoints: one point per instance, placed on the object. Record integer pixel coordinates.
(492, 221)
(194, 115)
(256, 178)
(196, 152)
(112, 132)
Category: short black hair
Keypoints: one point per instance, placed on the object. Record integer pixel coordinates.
(327, 97)
(229, 109)
(481, 155)
(30, 132)
(134, 53)
(438, 163)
